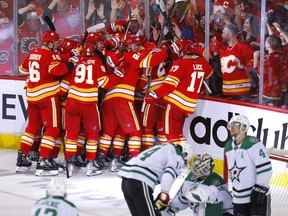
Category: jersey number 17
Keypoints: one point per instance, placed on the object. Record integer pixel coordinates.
(197, 77)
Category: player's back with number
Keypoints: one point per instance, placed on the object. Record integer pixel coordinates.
(44, 69)
(54, 206)
(88, 75)
(184, 82)
(191, 71)
(151, 165)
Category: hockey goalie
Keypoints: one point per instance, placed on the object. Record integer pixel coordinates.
(203, 191)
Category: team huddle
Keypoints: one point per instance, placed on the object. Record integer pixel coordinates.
(111, 90)
(117, 94)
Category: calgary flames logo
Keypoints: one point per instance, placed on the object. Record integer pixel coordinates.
(4, 57)
(28, 44)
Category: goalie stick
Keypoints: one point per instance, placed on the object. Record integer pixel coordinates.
(179, 181)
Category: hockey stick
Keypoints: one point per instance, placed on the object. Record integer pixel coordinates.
(67, 170)
(207, 87)
(179, 181)
(50, 24)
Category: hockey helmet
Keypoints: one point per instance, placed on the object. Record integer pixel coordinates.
(133, 41)
(88, 50)
(67, 45)
(201, 166)
(50, 37)
(241, 121)
(193, 48)
(94, 38)
(57, 187)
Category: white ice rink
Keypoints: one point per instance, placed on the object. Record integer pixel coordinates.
(94, 196)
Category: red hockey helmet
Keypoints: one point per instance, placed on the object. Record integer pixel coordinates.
(88, 50)
(50, 37)
(194, 48)
(67, 45)
(133, 41)
(94, 38)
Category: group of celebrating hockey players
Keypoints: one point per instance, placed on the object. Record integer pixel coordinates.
(148, 92)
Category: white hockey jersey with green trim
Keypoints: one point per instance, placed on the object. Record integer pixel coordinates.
(248, 164)
(160, 164)
(54, 206)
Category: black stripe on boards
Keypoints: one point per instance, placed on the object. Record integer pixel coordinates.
(148, 200)
(173, 170)
(133, 165)
(242, 190)
(264, 164)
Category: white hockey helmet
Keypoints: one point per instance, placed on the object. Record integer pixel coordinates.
(241, 120)
(57, 187)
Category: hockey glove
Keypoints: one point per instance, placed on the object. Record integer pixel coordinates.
(259, 200)
(162, 201)
(118, 73)
(74, 59)
(70, 66)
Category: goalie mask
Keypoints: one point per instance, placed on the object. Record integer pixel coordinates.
(57, 187)
(201, 166)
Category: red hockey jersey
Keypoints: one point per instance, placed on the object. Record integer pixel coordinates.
(183, 82)
(88, 75)
(125, 88)
(44, 69)
(234, 63)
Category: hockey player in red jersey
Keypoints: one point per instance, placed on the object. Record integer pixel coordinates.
(180, 89)
(235, 61)
(81, 107)
(154, 65)
(44, 68)
(118, 109)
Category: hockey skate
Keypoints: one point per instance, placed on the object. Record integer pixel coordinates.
(79, 161)
(23, 163)
(94, 168)
(116, 164)
(45, 168)
(58, 165)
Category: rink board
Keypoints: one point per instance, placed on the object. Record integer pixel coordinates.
(205, 129)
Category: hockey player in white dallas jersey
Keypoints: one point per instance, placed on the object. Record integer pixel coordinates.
(160, 164)
(55, 203)
(249, 168)
(204, 191)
